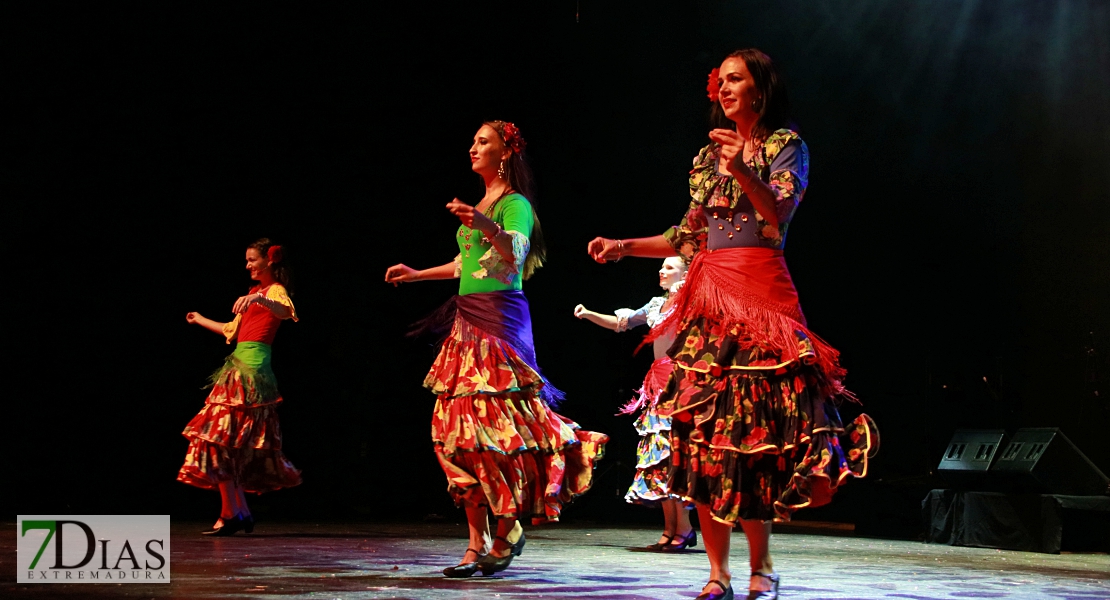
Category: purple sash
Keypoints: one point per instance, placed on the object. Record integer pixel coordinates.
(503, 315)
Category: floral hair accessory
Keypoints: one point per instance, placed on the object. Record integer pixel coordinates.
(512, 136)
(713, 88)
(273, 254)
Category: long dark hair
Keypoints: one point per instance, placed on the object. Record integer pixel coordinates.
(519, 176)
(279, 269)
(774, 110)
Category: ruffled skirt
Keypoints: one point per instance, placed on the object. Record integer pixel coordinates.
(236, 437)
(754, 395)
(498, 442)
(653, 453)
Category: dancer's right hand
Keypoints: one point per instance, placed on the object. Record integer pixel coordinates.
(192, 317)
(580, 311)
(399, 273)
(603, 250)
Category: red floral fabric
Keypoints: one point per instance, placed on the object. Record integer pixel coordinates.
(499, 444)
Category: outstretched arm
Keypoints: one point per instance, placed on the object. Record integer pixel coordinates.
(604, 249)
(199, 319)
(280, 310)
(399, 273)
(606, 321)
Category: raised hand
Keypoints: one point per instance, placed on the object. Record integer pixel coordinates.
(580, 311)
(732, 146)
(603, 250)
(244, 302)
(399, 273)
(193, 317)
(471, 217)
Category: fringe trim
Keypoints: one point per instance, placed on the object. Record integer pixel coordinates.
(723, 300)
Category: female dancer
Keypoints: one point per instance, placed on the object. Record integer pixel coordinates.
(497, 439)
(235, 440)
(756, 433)
(649, 486)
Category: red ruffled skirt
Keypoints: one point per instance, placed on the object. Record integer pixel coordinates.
(498, 442)
(756, 431)
(236, 437)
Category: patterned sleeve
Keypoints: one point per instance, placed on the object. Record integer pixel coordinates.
(458, 265)
(278, 293)
(629, 319)
(516, 219)
(789, 177)
(231, 330)
(690, 234)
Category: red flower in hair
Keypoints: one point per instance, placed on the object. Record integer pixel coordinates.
(512, 136)
(713, 88)
(273, 254)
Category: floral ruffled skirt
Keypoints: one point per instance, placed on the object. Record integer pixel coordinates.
(498, 442)
(753, 398)
(236, 436)
(653, 453)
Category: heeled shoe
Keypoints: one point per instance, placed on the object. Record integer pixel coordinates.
(688, 541)
(229, 527)
(464, 569)
(725, 594)
(771, 594)
(657, 545)
(490, 564)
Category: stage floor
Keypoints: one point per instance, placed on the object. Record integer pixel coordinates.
(307, 560)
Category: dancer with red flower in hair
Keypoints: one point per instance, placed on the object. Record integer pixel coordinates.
(503, 449)
(754, 394)
(235, 440)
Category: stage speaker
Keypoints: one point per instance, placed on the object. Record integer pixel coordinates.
(1044, 460)
(967, 460)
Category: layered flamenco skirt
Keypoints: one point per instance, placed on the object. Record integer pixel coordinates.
(653, 453)
(754, 395)
(236, 437)
(498, 441)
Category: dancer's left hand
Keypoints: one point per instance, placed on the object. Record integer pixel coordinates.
(471, 217)
(244, 302)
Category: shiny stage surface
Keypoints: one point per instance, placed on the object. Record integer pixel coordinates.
(363, 560)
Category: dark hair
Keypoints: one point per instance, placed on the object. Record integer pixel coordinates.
(280, 269)
(774, 110)
(519, 176)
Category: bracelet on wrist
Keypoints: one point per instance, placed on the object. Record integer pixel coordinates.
(620, 250)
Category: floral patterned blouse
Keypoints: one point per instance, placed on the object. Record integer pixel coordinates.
(479, 266)
(720, 213)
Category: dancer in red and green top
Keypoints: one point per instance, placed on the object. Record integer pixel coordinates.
(503, 449)
(235, 440)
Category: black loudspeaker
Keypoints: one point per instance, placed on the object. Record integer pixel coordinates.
(1043, 460)
(967, 461)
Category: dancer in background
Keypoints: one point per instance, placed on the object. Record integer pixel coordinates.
(754, 396)
(503, 449)
(653, 454)
(235, 440)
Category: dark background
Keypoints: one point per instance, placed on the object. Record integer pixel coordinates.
(952, 243)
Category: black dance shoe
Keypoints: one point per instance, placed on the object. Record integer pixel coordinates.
(464, 569)
(772, 594)
(688, 541)
(229, 527)
(657, 545)
(490, 564)
(248, 524)
(726, 594)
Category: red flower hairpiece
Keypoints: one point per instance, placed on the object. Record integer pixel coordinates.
(512, 136)
(713, 88)
(273, 254)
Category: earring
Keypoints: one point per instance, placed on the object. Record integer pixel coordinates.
(501, 170)
(757, 104)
